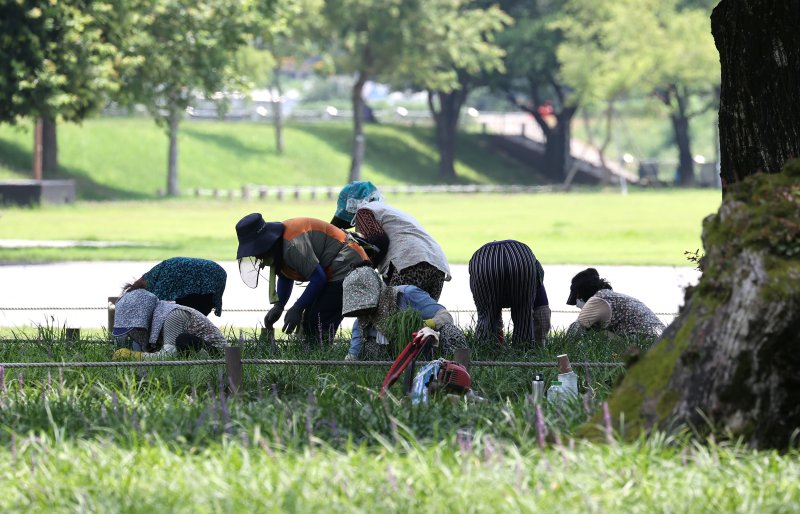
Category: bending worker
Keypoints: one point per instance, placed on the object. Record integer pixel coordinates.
(303, 250)
(507, 274)
(605, 309)
(379, 310)
(406, 253)
(195, 283)
(155, 328)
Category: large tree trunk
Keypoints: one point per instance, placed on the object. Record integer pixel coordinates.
(359, 141)
(728, 364)
(759, 115)
(277, 115)
(49, 147)
(446, 125)
(172, 156)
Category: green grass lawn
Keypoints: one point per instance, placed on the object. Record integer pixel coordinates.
(643, 228)
(127, 157)
(311, 439)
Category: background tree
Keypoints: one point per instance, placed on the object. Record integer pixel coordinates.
(533, 81)
(57, 62)
(625, 48)
(453, 51)
(181, 48)
(370, 38)
(728, 363)
(285, 30)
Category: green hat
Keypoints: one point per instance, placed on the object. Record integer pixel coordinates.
(352, 197)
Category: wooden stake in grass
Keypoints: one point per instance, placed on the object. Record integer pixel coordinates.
(609, 430)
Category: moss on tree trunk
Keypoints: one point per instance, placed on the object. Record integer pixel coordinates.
(730, 362)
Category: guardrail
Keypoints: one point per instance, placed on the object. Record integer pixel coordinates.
(252, 192)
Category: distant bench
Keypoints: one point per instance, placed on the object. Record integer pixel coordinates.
(34, 192)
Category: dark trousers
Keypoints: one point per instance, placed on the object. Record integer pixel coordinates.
(201, 302)
(504, 274)
(322, 318)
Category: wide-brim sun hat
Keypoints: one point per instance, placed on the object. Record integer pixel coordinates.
(256, 236)
(351, 198)
(361, 289)
(583, 279)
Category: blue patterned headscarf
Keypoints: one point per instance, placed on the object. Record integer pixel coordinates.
(355, 195)
(141, 309)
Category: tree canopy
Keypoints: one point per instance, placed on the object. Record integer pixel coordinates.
(57, 59)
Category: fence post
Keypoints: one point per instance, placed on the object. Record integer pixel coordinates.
(262, 193)
(112, 305)
(233, 368)
(462, 356)
(72, 334)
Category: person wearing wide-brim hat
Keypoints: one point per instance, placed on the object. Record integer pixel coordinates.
(605, 309)
(374, 304)
(303, 250)
(407, 253)
(153, 328)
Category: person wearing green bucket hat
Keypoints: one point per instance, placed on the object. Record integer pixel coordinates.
(407, 254)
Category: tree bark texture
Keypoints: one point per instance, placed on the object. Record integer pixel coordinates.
(172, 157)
(359, 141)
(446, 125)
(729, 363)
(49, 147)
(759, 115)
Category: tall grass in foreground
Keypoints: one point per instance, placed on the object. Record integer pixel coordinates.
(314, 439)
(43, 474)
(293, 404)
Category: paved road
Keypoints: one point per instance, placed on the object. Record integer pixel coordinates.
(51, 288)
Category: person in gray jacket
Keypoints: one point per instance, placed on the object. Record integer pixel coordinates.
(405, 253)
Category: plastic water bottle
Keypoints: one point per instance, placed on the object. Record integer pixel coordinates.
(538, 388)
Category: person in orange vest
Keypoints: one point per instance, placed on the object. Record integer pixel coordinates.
(303, 250)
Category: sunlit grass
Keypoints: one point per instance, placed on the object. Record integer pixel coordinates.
(643, 227)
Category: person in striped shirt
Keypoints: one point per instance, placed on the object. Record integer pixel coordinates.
(506, 274)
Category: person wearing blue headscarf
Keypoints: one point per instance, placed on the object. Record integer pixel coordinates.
(406, 253)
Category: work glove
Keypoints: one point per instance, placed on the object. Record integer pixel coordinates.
(274, 314)
(292, 320)
(426, 332)
(125, 354)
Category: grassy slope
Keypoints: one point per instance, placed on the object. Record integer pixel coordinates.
(127, 157)
(650, 227)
